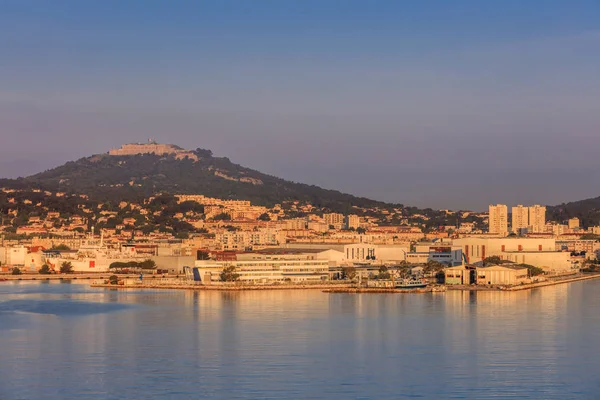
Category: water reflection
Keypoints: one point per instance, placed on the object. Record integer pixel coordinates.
(298, 344)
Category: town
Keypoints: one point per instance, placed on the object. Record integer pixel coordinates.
(222, 242)
(236, 241)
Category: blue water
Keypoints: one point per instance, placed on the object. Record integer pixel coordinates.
(67, 341)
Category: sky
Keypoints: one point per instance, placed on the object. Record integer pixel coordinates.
(443, 104)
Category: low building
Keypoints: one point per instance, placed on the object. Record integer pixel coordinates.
(549, 261)
(458, 275)
(478, 248)
(265, 267)
(501, 275)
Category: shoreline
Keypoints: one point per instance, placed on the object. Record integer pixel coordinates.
(550, 283)
(151, 283)
(219, 288)
(60, 277)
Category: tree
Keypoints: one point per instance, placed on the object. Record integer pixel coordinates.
(147, 264)
(202, 255)
(361, 230)
(16, 271)
(433, 267)
(45, 270)
(60, 247)
(222, 217)
(383, 273)
(113, 279)
(264, 217)
(349, 272)
(229, 275)
(405, 272)
(66, 268)
(532, 270)
(590, 236)
(493, 260)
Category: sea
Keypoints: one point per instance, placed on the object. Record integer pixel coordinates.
(65, 340)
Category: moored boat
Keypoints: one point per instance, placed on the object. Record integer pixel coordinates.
(410, 284)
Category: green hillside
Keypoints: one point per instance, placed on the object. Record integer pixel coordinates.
(107, 177)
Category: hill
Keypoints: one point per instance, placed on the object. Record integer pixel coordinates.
(588, 211)
(134, 176)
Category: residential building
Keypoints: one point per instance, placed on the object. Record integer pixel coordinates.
(520, 218)
(333, 219)
(574, 223)
(352, 221)
(537, 218)
(498, 219)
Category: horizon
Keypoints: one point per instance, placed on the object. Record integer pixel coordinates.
(450, 106)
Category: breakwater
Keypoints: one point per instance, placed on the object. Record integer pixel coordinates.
(550, 282)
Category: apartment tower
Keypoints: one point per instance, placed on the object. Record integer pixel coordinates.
(498, 219)
(520, 218)
(537, 218)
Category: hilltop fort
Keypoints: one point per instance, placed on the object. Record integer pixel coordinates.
(152, 147)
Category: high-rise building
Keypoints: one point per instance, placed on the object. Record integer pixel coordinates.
(537, 218)
(520, 218)
(498, 219)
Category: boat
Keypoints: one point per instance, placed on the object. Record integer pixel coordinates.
(410, 284)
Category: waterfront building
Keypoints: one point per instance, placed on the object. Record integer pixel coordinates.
(540, 252)
(501, 275)
(478, 248)
(458, 275)
(267, 267)
(498, 219)
(549, 261)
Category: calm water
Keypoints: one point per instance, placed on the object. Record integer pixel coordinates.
(66, 341)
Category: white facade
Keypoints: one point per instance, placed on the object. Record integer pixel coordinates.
(550, 261)
(574, 223)
(374, 253)
(266, 271)
(13, 255)
(498, 219)
(352, 221)
(478, 248)
(537, 218)
(520, 218)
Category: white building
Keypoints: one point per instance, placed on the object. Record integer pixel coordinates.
(334, 219)
(375, 253)
(540, 252)
(520, 218)
(263, 268)
(537, 218)
(498, 219)
(574, 223)
(352, 221)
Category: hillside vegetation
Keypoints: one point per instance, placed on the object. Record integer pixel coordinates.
(112, 178)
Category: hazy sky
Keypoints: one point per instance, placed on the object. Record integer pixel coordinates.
(448, 104)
